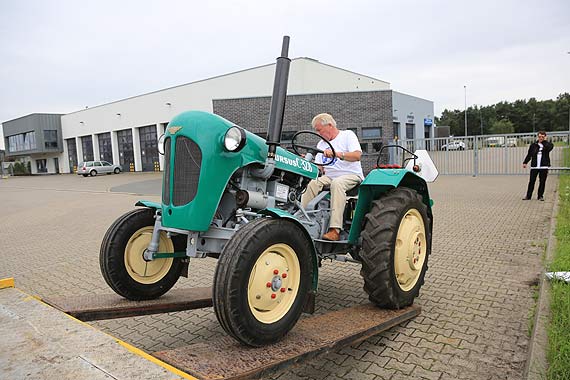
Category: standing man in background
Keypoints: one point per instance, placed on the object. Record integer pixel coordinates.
(342, 175)
(539, 156)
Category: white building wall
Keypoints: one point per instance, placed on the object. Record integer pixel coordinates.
(306, 76)
(413, 110)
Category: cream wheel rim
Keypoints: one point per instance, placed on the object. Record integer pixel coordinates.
(274, 283)
(140, 270)
(410, 249)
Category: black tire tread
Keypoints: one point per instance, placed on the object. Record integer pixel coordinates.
(377, 254)
(230, 269)
(111, 258)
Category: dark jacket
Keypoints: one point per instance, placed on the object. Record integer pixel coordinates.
(547, 146)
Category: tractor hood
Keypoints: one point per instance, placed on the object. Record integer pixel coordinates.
(197, 167)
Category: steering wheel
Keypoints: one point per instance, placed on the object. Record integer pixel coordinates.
(312, 149)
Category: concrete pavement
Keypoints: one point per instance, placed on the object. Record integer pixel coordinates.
(476, 302)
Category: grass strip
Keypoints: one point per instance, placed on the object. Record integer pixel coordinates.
(559, 327)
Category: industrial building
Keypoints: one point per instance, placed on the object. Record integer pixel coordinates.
(126, 132)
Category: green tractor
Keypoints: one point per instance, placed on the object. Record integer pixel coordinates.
(229, 194)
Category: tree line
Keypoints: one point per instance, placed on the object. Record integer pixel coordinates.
(520, 116)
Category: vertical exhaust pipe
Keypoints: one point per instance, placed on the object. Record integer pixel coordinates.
(278, 99)
(277, 110)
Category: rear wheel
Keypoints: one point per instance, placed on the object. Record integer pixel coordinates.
(93, 173)
(262, 281)
(396, 246)
(123, 265)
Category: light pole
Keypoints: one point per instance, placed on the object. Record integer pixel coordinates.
(465, 87)
(481, 118)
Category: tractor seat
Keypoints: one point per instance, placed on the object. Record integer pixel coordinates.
(350, 193)
(353, 192)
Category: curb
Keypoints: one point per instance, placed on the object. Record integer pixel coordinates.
(536, 363)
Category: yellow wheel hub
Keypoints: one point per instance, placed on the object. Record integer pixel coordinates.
(410, 250)
(140, 270)
(274, 283)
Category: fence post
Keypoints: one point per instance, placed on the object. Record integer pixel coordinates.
(475, 156)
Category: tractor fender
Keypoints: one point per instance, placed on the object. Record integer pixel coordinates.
(379, 182)
(149, 204)
(277, 213)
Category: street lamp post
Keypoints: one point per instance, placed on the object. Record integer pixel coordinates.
(481, 119)
(465, 87)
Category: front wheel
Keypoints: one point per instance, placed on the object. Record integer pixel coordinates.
(396, 243)
(123, 265)
(117, 170)
(262, 281)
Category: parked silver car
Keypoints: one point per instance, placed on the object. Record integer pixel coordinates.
(93, 168)
(454, 145)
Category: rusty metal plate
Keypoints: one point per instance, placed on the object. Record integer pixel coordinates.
(224, 358)
(109, 306)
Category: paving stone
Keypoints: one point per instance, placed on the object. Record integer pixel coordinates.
(420, 373)
(399, 366)
(381, 372)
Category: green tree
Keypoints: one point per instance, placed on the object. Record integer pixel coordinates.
(502, 126)
(525, 116)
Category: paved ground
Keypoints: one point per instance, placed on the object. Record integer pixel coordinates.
(476, 302)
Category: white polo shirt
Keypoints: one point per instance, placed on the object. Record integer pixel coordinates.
(345, 141)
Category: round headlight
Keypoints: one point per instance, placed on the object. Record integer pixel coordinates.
(161, 144)
(234, 139)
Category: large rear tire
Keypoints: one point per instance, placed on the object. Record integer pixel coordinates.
(262, 281)
(122, 263)
(396, 243)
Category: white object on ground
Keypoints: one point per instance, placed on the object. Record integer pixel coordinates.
(564, 276)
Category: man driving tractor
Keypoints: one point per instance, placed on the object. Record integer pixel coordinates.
(342, 175)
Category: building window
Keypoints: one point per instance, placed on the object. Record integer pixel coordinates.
(396, 127)
(149, 147)
(377, 146)
(87, 145)
(50, 139)
(410, 131)
(287, 137)
(371, 133)
(22, 142)
(105, 148)
(364, 147)
(42, 165)
(72, 155)
(126, 151)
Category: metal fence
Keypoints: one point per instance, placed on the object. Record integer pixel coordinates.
(487, 154)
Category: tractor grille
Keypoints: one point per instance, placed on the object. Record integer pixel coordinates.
(187, 163)
(166, 182)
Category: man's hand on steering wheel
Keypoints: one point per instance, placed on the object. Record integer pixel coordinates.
(328, 154)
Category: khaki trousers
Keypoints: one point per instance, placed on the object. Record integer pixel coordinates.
(338, 188)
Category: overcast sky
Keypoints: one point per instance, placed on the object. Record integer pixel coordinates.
(60, 56)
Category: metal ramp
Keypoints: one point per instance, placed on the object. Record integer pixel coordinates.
(110, 306)
(224, 358)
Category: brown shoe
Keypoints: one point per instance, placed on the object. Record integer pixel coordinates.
(332, 235)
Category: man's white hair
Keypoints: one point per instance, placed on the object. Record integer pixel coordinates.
(323, 119)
